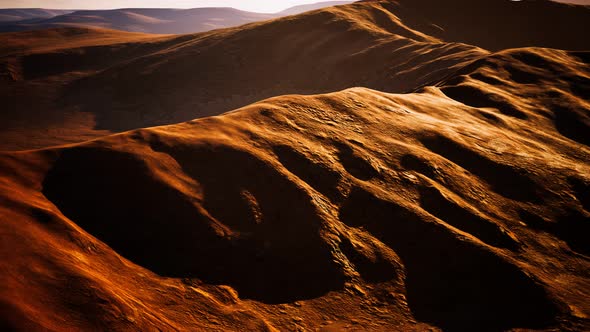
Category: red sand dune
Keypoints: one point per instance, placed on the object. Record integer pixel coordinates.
(357, 208)
(184, 77)
(125, 85)
(462, 205)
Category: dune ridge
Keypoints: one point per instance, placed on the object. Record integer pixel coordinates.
(383, 45)
(213, 77)
(423, 185)
(498, 24)
(427, 206)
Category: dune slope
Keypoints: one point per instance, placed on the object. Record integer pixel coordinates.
(101, 87)
(190, 76)
(36, 67)
(323, 51)
(463, 206)
(498, 24)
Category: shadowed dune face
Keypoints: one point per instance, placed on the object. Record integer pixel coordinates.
(450, 283)
(320, 176)
(236, 234)
(506, 179)
(436, 203)
(540, 23)
(475, 97)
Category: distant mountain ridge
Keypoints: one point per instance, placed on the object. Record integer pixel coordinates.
(146, 20)
(20, 14)
(159, 21)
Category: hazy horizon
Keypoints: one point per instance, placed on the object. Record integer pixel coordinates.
(263, 6)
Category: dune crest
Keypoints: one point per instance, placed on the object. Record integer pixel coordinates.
(193, 76)
(409, 202)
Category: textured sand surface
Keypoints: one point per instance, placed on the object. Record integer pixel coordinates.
(462, 205)
(357, 208)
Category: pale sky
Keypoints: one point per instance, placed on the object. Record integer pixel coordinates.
(268, 6)
(263, 6)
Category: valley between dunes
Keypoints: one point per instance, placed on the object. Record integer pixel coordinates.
(411, 184)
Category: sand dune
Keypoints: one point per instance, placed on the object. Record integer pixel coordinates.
(393, 181)
(55, 40)
(186, 77)
(463, 206)
(320, 52)
(65, 55)
(498, 24)
(383, 45)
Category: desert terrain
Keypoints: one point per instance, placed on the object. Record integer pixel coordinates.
(375, 166)
(147, 20)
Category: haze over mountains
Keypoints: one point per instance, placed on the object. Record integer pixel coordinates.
(148, 20)
(15, 15)
(158, 21)
(376, 166)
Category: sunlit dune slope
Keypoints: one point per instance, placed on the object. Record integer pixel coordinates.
(463, 206)
(190, 76)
